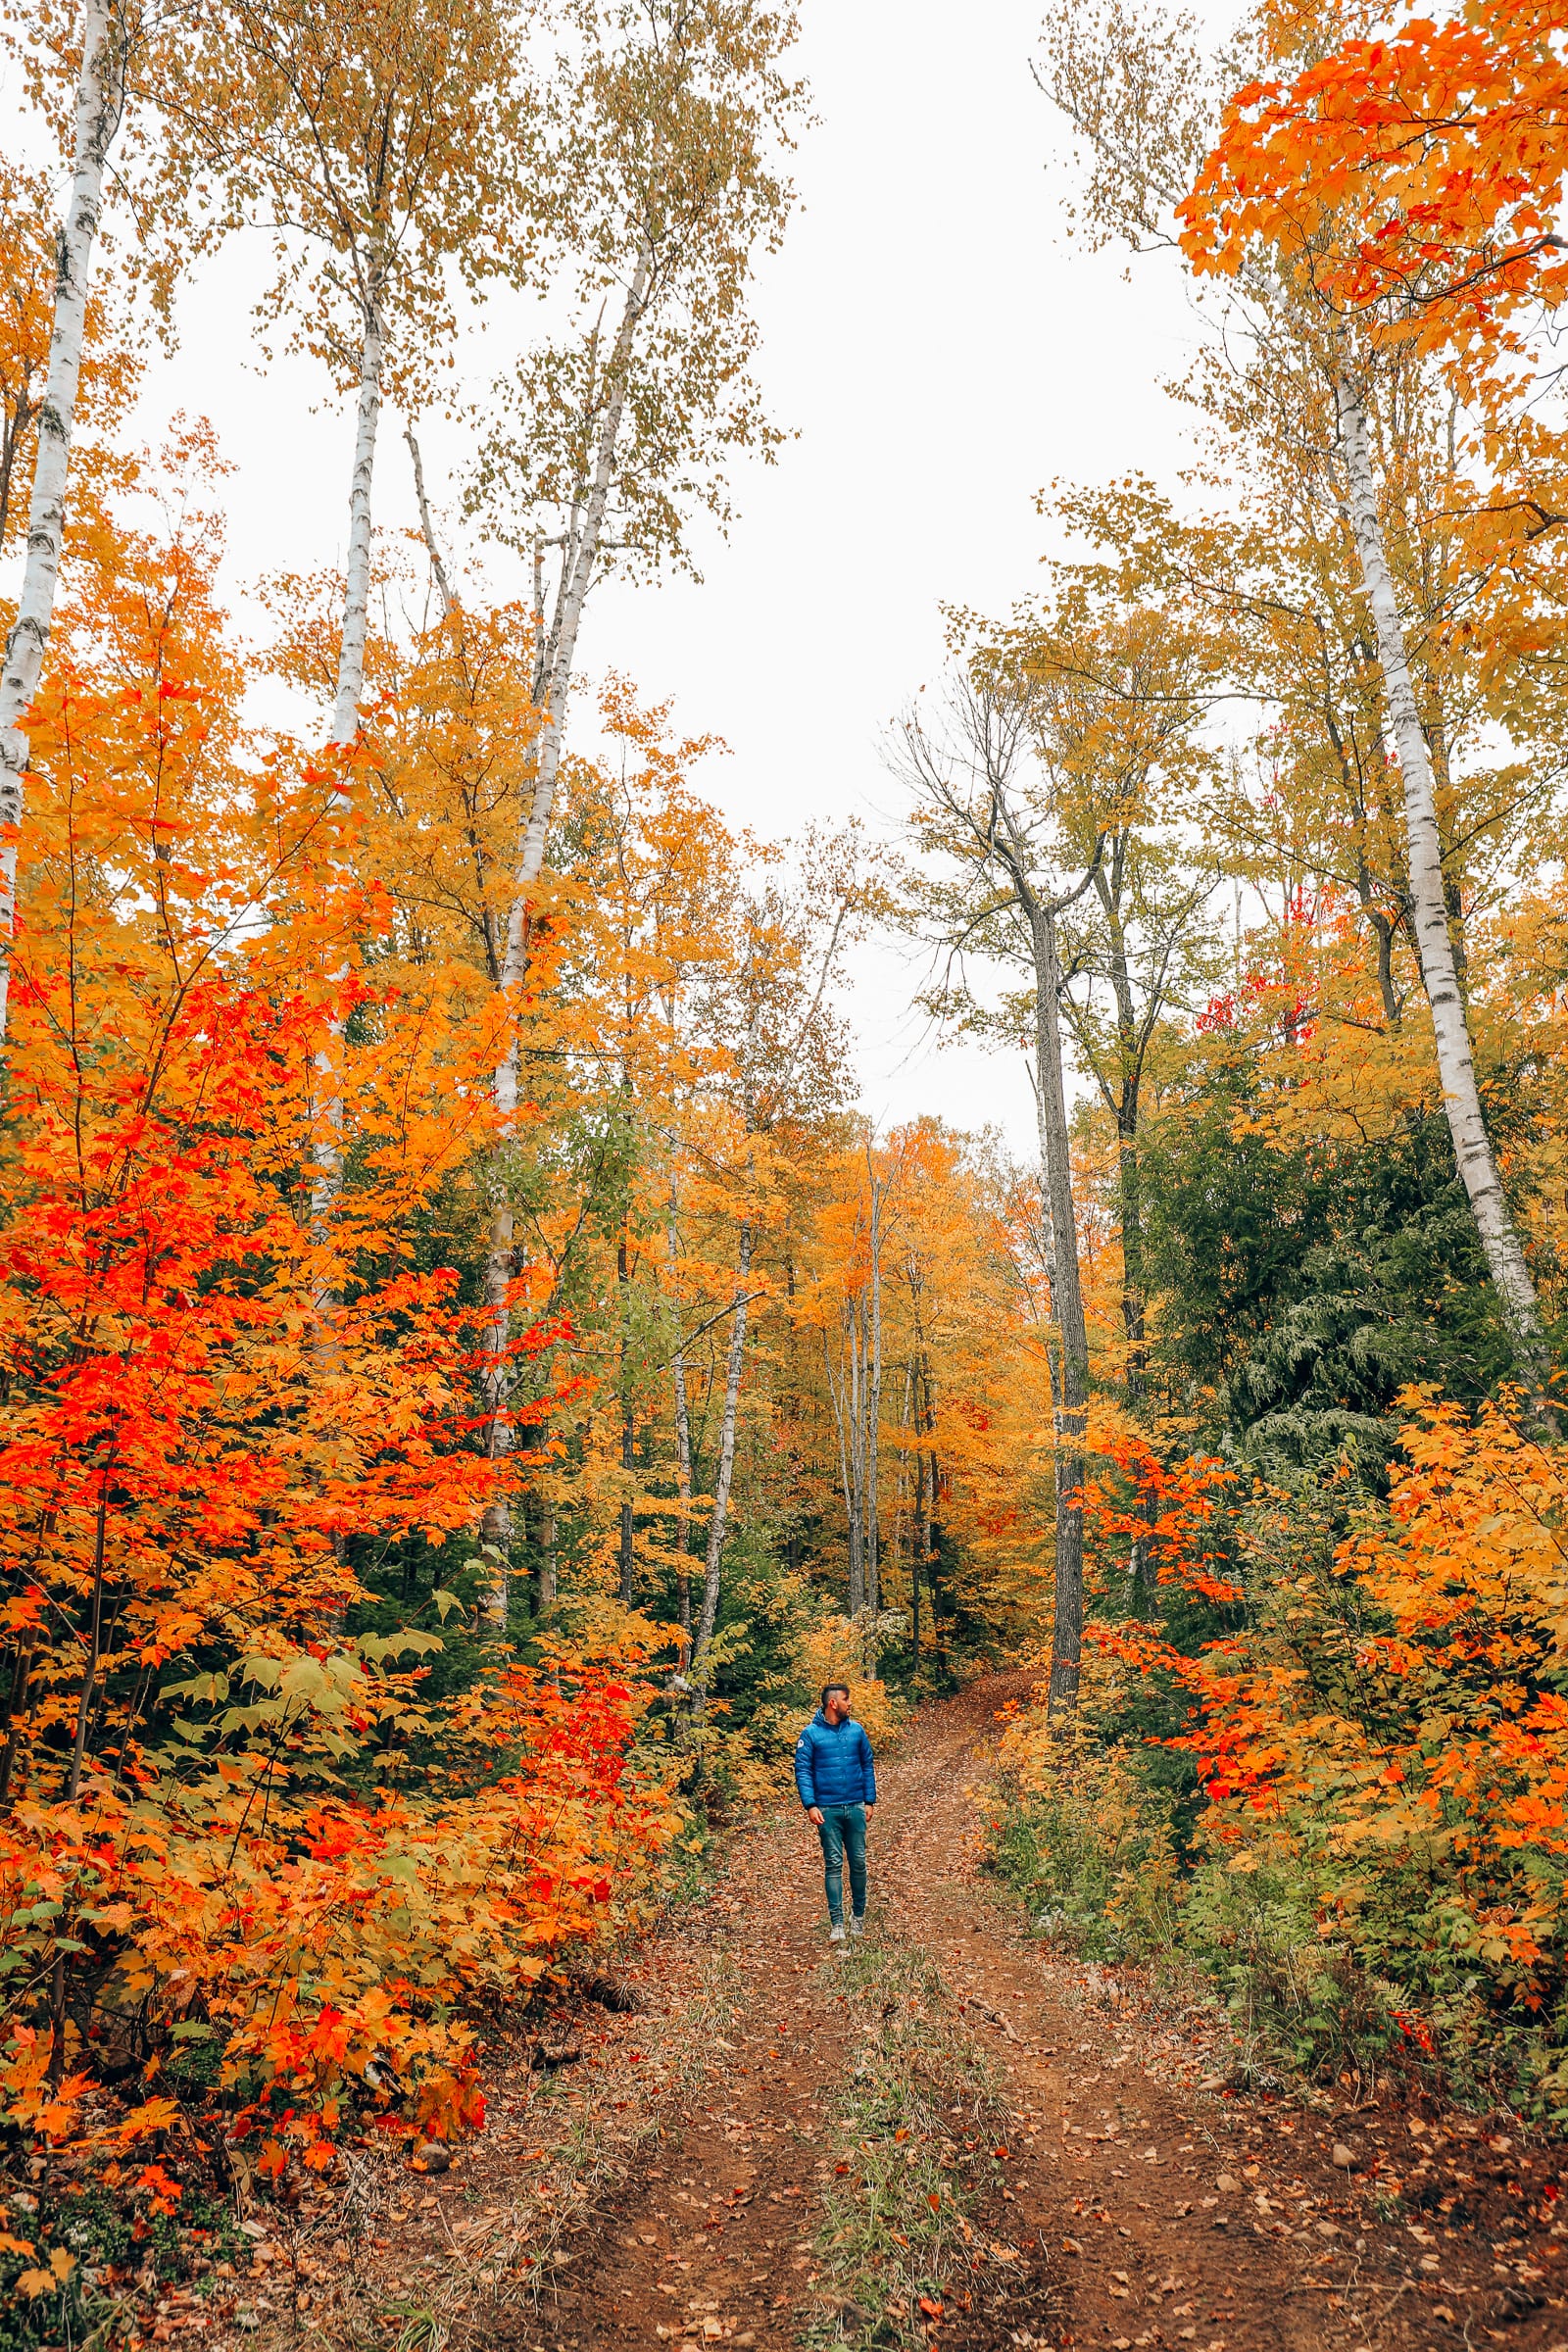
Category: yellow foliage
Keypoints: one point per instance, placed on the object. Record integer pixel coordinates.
(834, 1650)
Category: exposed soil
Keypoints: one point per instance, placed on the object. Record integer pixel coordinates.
(1141, 2208)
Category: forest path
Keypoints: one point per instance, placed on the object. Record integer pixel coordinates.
(1149, 2213)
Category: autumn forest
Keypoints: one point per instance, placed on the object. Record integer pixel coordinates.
(472, 1366)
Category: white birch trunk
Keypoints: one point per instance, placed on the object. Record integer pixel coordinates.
(327, 1141)
(1462, 1097)
(726, 1454)
(559, 654)
(100, 103)
(327, 1147)
(357, 586)
(554, 678)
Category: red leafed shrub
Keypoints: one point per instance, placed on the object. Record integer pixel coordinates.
(255, 1879)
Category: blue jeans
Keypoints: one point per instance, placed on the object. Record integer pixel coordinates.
(843, 1831)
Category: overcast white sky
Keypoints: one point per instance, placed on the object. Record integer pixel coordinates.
(941, 352)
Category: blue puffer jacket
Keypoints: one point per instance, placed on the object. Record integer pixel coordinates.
(833, 1763)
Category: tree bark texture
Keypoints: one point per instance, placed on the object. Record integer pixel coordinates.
(443, 585)
(547, 1562)
(558, 653)
(683, 1438)
(495, 1382)
(357, 585)
(99, 106)
(1051, 1109)
(327, 1147)
(845, 1400)
(726, 1453)
(628, 1424)
(554, 660)
(1462, 1097)
(874, 1426)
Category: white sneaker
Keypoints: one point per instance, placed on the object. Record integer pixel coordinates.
(835, 1934)
(857, 1926)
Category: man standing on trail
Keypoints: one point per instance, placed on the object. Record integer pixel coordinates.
(837, 1780)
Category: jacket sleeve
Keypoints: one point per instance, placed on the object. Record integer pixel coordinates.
(805, 1776)
(867, 1767)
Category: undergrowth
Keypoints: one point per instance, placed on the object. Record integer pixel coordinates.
(1088, 1851)
(104, 2257)
(913, 2136)
(1087, 1848)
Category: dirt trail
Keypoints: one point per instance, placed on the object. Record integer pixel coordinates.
(1153, 2212)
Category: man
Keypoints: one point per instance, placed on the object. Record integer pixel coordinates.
(837, 1780)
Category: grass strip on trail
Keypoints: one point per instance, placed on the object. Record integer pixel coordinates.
(910, 2157)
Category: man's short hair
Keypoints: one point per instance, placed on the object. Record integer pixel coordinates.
(828, 1689)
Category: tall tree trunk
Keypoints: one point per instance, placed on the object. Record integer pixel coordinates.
(921, 1406)
(726, 1453)
(1134, 1297)
(842, 1399)
(554, 657)
(547, 1561)
(327, 1141)
(628, 1517)
(1051, 1106)
(1462, 1097)
(628, 1427)
(344, 726)
(443, 585)
(918, 1550)
(1134, 1307)
(15, 1710)
(1109, 889)
(904, 1511)
(356, 584)
(557, 652)
(495, 1382)
(495, 1379)
(99, 106)
(857, 1456)
(873, 1433)
(925, 1485)
(683, 1441)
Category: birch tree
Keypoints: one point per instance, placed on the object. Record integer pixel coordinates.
(1155, 180)
(656, 170)
(1451, 1027)
(1282, 268)
(28, 268)
(379, 142)
(109, 29)
(666, 124)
